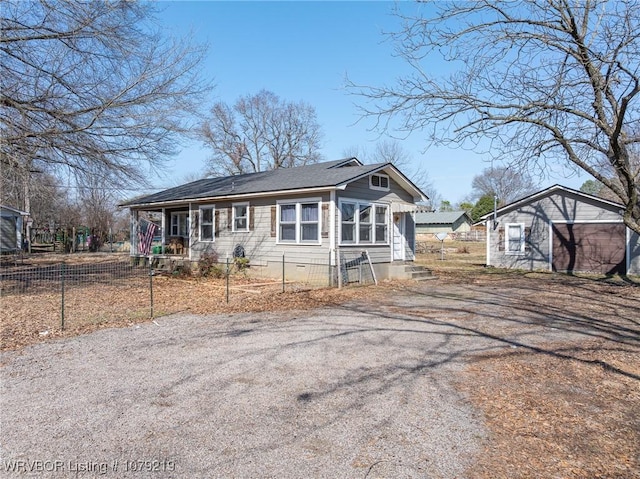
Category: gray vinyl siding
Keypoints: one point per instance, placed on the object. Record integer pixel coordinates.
(259, 246)
(360, 190)
(8, 233)
(263, 249)
(410, 235)
(558, 207)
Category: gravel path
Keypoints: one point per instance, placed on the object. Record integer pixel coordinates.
(357, 391)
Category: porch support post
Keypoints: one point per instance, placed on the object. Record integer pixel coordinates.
(189, 232)
(133, 224)
(332, 226)
(163, 225)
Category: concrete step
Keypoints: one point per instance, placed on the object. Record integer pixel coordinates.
(422, 275)
(418, 273)
(410, 270)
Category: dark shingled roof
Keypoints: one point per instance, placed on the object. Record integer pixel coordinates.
(319, 175)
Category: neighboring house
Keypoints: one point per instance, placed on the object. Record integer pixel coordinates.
(304, 213)
(429, 223)
(11, 228)
(561, 229)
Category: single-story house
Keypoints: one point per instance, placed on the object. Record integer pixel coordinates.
(311, 214)
(450, 222)
(561, 229)
(11, 229)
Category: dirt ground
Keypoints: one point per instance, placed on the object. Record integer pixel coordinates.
(567, 408)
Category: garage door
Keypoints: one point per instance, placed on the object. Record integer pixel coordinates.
(598, 248)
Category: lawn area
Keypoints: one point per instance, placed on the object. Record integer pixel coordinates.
(451, 255)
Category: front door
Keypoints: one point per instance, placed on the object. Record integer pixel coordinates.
(398, 237)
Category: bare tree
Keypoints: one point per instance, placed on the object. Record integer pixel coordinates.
(99, 209)
(92, 86)
(507, 183)
(260, 132)
(39, 193)
(545, 82)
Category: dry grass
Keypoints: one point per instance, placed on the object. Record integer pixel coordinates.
(453, 256)
(558, 418)
(563, 411)
(34, 317)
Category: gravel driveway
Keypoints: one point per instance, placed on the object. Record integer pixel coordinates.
(360, 390)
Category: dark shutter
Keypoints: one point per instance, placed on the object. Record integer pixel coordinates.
(325, 220)
(195, 223)
(217, 223)
(252, 215)
(273, 221)
(229, 218)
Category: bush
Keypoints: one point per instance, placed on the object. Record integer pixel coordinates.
(181, 270)
(463, 250)
(241, 263)
(208, 266)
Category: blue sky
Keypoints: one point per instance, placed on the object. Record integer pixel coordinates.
(303, 50)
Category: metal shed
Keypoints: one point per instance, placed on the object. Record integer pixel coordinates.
(11, 228)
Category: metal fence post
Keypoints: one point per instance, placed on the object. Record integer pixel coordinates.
(339, 268)
(62, 273)
(227, 275)
(151, 285)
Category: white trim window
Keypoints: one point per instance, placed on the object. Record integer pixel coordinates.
(240, 217)
(363, 222)
(178, 225)
(514, 239)
(378, 181)
(309, 222)
(299, 221)
(381, 224)
(207, 229)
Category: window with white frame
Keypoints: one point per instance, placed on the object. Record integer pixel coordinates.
(299, 222)
(207, 223)
(381, 220)
(241, 217)
(363, 223)
(348, 224)
(179, 224)
(514, 238)
(379, 182)
(309, 222)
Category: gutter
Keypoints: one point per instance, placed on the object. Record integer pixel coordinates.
(230, 197)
